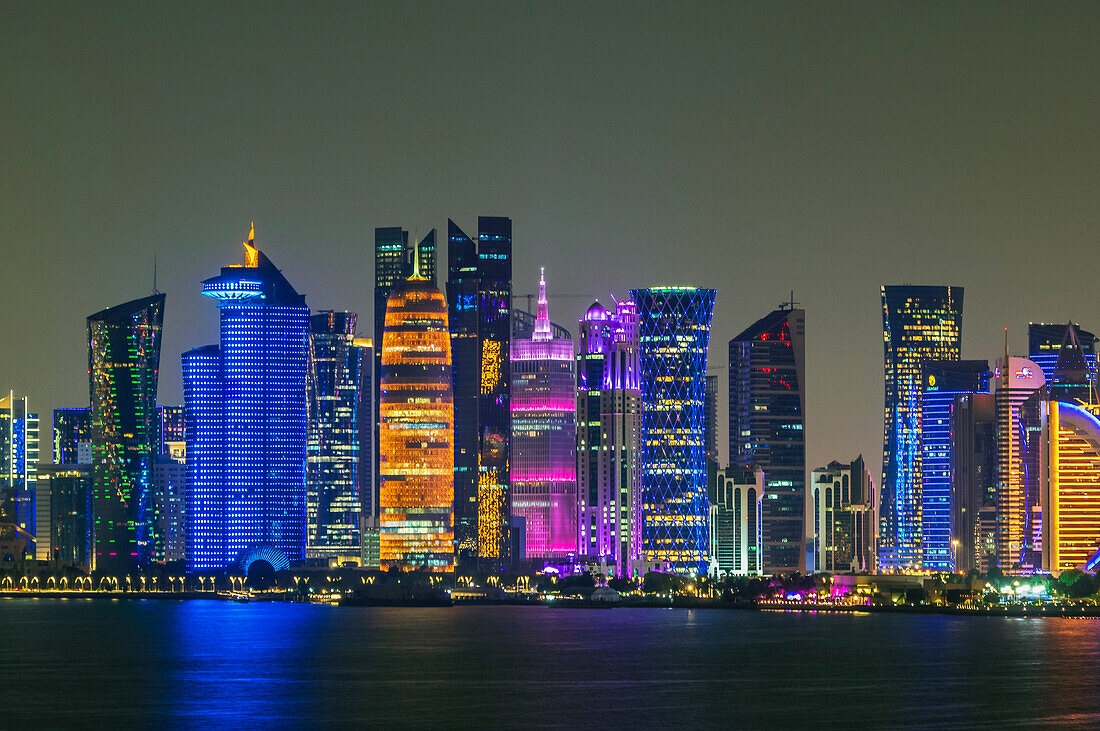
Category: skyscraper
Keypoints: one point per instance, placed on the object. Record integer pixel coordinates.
(70, 518)
(18, 465)
(942, 381)
(544, 438)
(171, 430)
(919, 324)
(245, 407)
(1067, 356)
(494, 307)
(767, 420)
(462, 302)
(841, 518)
(1070, 487)
(1016, 381)
(973, 481)
(674, 334)
(736, 510)
(333, 503)
(123, 369)
(609, 433)
(72, 436)
(416, 431)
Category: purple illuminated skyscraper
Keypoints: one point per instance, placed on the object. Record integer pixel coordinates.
(609, 410)
(544, 439)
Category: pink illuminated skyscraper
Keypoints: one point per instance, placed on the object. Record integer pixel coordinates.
(544, 438)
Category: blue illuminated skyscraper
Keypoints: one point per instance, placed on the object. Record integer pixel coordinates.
(674, 334)
(942, 381)
(245, 410)
(1067, 356)
(18, 468)
(919, 324)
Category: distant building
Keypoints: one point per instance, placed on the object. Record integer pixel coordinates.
(170, 491)
(544, 439)
(333, 503)
(18, 465)
(70, 512)
(123, 369)
(1070, 485)
(173, 434)
(1016, 380)
(416, 431)
(920, 324)
(674, 335)
(941, 383)
(736, 512)
(767, 421)
(841, 519)
(245, 406)
(1067, 356)
(72, 436)
(973, 482)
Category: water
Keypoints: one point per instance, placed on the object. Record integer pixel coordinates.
(96, 663)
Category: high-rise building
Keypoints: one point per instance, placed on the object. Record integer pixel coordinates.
(609, 434)
(18, 465)
(245, 409)
(462, 303)
(333, 503)
(919, 324)
(1016, 381)
(544, 438)
(170, 509)
(172, 432)
(973, 483)
(494, 308)
(1070, 484)
(767, 421)
(416, 431)
(72, 436)
(942, 381)
(841, 519)
(70, 515)
(1067, 356)
(736, 511)
(123, 370)
(674, 334)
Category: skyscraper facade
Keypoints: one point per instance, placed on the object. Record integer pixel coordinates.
(767, 420)
(736, 511)
(1017, 380)
(246, 416)
(333, 503)
(494, 307)
(674, 335)
(70, 517)
(942, 381)
(170, 509)
(973, 482)
(123, 369)
(173, 435)
(841, 518)
(416, 431)
(609, 432)
(72, 436)
(544, 438)
(18, 465)
(919, 324)
(1067, 356)
(462, 303)
(1070, 484)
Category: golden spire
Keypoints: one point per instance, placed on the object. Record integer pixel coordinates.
(251, 253)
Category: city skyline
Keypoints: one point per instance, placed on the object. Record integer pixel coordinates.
(792, 175)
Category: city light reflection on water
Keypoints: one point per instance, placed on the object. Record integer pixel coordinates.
(205, 663)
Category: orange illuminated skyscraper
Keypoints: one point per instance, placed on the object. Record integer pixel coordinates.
(416, 430)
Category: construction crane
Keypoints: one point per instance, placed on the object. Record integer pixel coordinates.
(531, 298)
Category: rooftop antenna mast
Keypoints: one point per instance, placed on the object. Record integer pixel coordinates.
(790, 304)
(155, 290)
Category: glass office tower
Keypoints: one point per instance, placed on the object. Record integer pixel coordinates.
(1017, 384)
(544, 438)
(18, 466)
(72, 436)
(416, 431)
(123, 368)
(1067, 356)
(245, 409)
(919, 324)
(674, 334)
(333, 504)
(942, 381)
(767, 398)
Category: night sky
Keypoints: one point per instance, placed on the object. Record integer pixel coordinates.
(751, 147)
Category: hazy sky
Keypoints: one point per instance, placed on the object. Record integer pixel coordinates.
(751, 147)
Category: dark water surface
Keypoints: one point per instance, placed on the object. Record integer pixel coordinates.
(218, 664)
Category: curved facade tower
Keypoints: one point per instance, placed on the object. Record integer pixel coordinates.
(544, 438)
(416, 431)
(1070, 479)
(674, 335)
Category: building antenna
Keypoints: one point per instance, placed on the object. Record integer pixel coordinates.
(790, 304)
(155, 290)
